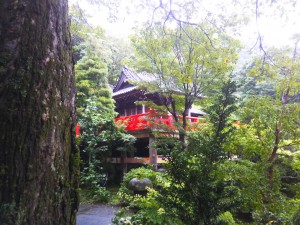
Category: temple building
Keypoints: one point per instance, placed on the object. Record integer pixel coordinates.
(139, 120)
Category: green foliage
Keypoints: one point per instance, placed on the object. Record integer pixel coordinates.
(127, 196)
(270, 138)
(202, 190)
(91, 81)
(250, 86)
(265, 113)
(89, 41)
(150, 212)
(93, 154)
(80, 28)
(255, 141)
(203, 186)
(199, 190)
(243, 177)
(296, 217)
(100, 136)
(149, 209)
(207, 188)
(186, 63)
(93, 179)
(98, 139)
(119, 51)
(123, 216)
(84, 35)
(220, 118)
(225, 218)
(95, 106)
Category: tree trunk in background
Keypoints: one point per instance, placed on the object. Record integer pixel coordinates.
(38, 158)
(277, 135)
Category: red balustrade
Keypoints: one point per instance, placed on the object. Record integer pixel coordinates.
(151, 120)
(134, 122)
(77, 130)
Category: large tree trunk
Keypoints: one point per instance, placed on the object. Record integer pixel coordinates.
(272, 158)
(38, 157)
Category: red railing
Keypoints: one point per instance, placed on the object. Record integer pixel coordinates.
(151, 120)
(77, 130)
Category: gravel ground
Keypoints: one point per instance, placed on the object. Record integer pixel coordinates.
(98, 214)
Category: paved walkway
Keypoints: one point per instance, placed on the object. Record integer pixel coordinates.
(97, 214)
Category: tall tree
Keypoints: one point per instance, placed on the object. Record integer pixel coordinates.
(201, 195)
(92, 85)
(283, 69)
(271, 137)
(39, 160)
(188, 63)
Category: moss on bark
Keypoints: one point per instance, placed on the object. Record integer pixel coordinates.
(38, 168)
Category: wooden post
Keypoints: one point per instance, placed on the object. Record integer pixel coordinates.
(123, 161)
(152, 153)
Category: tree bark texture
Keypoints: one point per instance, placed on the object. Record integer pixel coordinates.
(38, 156)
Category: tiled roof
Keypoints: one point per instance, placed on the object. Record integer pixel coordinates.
(134, 76)
(195, 109)
(123, 91)
(128, 75)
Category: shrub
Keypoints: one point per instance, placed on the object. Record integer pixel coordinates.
(101, 194)
(149, 209)
(91, 181)
(126, 195)
(225, 218)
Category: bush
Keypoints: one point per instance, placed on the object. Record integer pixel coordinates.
(296, 217)
(225, 218)
(101, 194)
(91, 181)
(148, 209)
(126, 195)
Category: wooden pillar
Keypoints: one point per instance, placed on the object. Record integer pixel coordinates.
(152, 153)
(124, 163)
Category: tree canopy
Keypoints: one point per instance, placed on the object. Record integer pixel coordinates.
(187, 63)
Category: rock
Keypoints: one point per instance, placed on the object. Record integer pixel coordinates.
(139, 185)
(161, 170)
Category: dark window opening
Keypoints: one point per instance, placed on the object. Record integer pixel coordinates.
(121, 112)
(139, 109)
(142, 147)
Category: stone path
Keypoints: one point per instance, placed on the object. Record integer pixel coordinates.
(98, 214)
